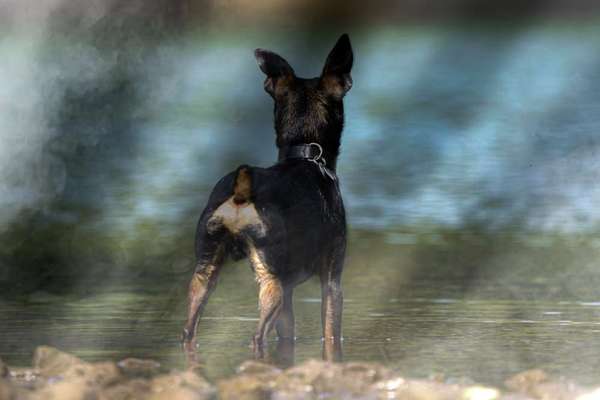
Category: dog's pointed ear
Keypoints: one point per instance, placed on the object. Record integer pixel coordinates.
(274, 66)
(336, 72)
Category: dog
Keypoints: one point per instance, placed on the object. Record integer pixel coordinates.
(288, 219)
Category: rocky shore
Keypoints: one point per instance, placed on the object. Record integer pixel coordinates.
(56, 375)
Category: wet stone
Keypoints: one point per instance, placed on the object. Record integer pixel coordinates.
(27, 378)
(255, 380)
(524, 381)
(99, 374)
(593, 394)
(515, 396)
(556, 391)
(58, 375)
(400, 388)
(53, 362)
(477, 392)
(255, 368)
(133, 389)
(181, 385)
(245, 387)
(538, 385)
(319, 379)
(138, 368)
(72, 389)
(181, 393)
(7, 391)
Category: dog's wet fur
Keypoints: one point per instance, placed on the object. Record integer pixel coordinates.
(288, 219)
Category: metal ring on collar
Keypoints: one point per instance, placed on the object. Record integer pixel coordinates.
(317, 158)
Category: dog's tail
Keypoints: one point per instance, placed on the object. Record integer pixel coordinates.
(242, 188)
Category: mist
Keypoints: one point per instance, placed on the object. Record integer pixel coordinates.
(117, 121)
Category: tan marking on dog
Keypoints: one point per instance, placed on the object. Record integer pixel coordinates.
(270, 296)
(243, 187)
(261, 272)
(199, 280)
(283, 85)
(270, 292)
(236, 217)
(331, 84)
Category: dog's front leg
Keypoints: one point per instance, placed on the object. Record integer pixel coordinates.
(285, 322)
(331, 316)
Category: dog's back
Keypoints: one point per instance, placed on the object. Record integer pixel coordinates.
(291, 212)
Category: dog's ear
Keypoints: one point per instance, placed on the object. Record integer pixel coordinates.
(274, 66)
(336, 77)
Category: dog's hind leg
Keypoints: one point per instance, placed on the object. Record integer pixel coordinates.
(212, 250)
(270, 301)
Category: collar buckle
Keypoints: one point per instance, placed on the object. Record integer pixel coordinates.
(312, 152)
(319, 159)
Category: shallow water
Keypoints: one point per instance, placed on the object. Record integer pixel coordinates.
(425, 308)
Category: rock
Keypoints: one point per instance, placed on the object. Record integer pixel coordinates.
(53, 362)
(326, 379)
(537, 384)
(515, 396)
(72, 389)
(27, 378)
(556, 391)
(181, 385)
(133, 389)
(400, 388)
(95, 374)
(365, 372)
(480, 393)
(7, 391)
(524, 381)
(245, 387)
(255, 380)
(256, 367)
(311, 379)
(181, 393)
(591, 395)
(139, 368)
(174, 386)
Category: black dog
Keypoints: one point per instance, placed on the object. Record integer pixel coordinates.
(288, 219)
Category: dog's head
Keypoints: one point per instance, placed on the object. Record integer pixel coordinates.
(309, 110)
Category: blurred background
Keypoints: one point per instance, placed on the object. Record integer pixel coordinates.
(469, 170)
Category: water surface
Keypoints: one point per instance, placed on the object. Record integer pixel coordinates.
(433, 306)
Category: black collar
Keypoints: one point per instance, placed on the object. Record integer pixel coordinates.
(310, 151)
